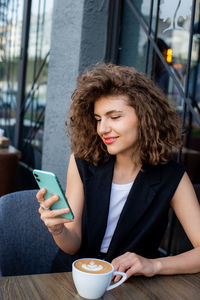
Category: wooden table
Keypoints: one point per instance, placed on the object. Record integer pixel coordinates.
(10, 150)
(59, 286)
(9, 162)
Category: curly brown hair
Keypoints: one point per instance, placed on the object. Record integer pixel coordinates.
(159, 127)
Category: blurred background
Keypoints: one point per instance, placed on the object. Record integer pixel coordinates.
(44, 45)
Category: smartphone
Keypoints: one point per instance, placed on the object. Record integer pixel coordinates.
(49, 181)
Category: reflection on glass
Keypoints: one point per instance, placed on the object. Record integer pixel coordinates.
(172, 10)
(143, 9)
(171, 31)
(36, 81)
(194, 82)
(11, 19)
(11, 13)
(133, 42)
(161, 75)
(174, 30)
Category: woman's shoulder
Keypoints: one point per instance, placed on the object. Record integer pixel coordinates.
(171, 173)
(83, 166)
(165, 177)
(170, 165)
(88, 164)
(165, 172)
(87, 169)
(173, 166)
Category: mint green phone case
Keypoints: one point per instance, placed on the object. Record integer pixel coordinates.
(49, 181)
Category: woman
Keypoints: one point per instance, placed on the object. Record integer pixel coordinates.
(121, 181)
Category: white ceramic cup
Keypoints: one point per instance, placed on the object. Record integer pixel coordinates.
(93, 285)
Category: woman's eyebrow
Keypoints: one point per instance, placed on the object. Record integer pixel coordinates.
(110, 112)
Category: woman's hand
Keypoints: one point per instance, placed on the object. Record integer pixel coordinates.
(51, 218)
(133, 264)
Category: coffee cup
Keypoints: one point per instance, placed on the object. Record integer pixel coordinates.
(92, 277)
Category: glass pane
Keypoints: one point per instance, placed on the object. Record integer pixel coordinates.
(194, 80)
(36, 81)
(143, 8)
(132, 45)
(174, 32)
(133, 42)
(171, 32)
(11, 14)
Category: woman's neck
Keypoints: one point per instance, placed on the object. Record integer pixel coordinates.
(125, 170)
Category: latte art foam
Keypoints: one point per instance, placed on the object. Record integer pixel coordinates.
(94, 266)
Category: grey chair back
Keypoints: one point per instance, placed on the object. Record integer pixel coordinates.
(26, 245)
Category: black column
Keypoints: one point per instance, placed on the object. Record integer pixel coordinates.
(21, 97)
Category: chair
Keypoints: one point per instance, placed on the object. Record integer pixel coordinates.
(26, 245)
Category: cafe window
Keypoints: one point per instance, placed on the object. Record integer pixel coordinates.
(22, 102)
(162, 39)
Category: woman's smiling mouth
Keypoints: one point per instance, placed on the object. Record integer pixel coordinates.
(109, 140)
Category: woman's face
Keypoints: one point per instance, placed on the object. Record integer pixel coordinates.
(117, 124)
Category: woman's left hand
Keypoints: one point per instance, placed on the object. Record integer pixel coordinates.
(133, 264)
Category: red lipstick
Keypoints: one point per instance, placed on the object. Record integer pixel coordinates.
(109, 140)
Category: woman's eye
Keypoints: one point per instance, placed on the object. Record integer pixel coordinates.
(98, 120)
(115, 117)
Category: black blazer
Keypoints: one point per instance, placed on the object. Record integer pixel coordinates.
(144, 217)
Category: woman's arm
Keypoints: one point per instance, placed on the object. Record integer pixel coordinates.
(187, 209)
(66, 233)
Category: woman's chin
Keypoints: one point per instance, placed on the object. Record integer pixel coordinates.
(112, 151)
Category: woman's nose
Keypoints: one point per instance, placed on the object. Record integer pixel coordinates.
(104, 127)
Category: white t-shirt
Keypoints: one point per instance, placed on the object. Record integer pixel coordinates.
(119, 194)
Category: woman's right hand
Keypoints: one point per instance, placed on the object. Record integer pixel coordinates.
(51, 219)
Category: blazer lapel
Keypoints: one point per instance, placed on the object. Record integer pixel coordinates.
(98, 190)
(138, 201)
